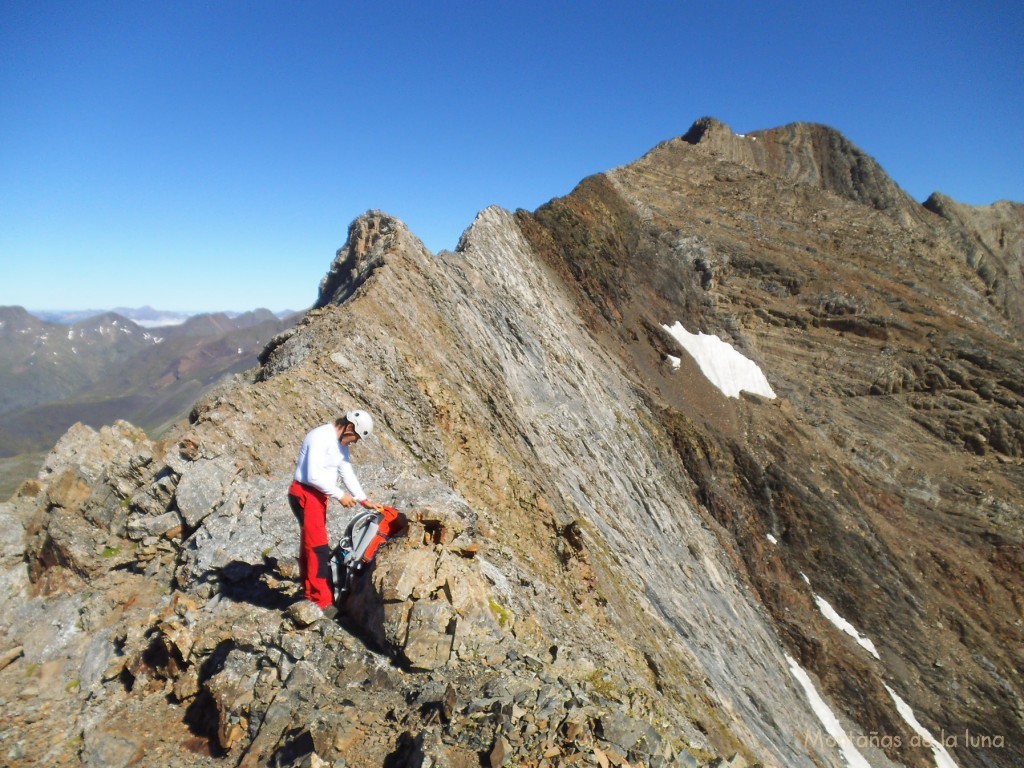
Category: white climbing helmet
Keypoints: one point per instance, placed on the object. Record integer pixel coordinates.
(362, 421)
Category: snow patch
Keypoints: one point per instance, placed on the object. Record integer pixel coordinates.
(838, 621)
(164, 321)
(772, 539)
(675, 361)
(942, 757)
(723, 366)
(827, 717)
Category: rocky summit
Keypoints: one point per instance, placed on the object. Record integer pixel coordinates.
(610, 561)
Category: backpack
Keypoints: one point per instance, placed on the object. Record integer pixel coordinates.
(364, 535)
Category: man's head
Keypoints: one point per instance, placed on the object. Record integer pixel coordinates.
(353, 426)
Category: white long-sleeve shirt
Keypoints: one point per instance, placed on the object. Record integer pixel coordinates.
(321, 458)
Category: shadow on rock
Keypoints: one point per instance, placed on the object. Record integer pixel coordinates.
(407, 752)
(298, 744)
(361, 614)
(257, 585)
(201, 716)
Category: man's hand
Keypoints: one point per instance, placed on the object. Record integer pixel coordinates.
(368, 504)
(347, 500)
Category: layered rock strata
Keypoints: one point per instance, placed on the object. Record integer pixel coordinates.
(609, 560)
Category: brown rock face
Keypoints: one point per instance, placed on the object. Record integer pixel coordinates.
(889, 472)
(608, 560)
(992, 236)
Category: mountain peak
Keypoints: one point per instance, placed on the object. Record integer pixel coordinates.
(107, 318)
(707, 129)
(17, 314)
(806, 153)
(371, 237)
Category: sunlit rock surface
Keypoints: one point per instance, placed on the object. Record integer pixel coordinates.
(609, 560)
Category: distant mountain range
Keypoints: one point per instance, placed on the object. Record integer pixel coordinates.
(147, 317)
(107, 366)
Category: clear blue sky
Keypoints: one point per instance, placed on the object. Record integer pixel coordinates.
(210, 155)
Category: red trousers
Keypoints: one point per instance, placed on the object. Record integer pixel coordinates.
(310, 508)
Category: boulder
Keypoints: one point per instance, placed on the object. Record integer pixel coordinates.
(202, 487)
(430, 634)
(421, 601)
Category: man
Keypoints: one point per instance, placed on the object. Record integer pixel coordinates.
(325, 454)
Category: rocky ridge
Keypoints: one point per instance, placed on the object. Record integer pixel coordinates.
(609, 561)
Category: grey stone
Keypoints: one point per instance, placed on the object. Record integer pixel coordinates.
(428, 644)
(621, 730)
(231, 537)
(96, 660)
(294, 645)
(102, 749)
(202, 487)
(12, 536)
(533, 662)
(142, 526)
(304, 613)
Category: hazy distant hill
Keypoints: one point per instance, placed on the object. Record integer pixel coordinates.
(219, 323)
(108, 367)
(146, 317)
(42, 361)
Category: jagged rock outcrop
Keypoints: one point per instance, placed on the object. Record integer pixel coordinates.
(608, 560)
(992, 236)
(369, 240)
